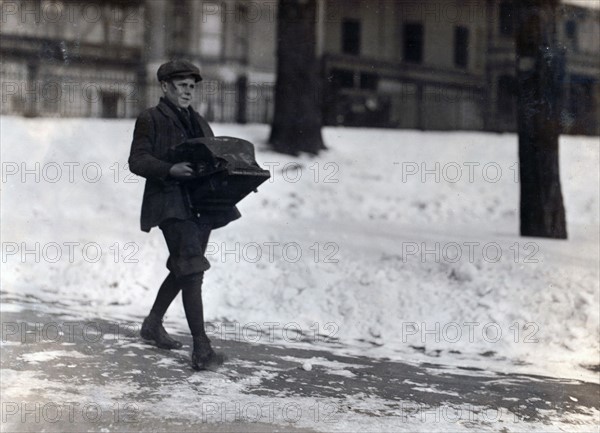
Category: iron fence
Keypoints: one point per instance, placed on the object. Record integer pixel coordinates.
(120, 94)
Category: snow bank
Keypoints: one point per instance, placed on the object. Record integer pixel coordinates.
(400, 243)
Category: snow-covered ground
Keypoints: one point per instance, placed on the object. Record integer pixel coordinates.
(401, 244)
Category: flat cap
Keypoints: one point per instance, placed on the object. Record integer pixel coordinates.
(176, 68)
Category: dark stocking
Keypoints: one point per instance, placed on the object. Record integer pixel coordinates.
(167, 292)
(191, 287)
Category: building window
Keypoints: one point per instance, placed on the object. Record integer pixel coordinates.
(110, 105)
(180, 26)
(351, 37)
(581, 101)
(211, 36)
(571, 34)
(507, 24)
(114, 22)
(413, 42)
(236, 34)
(342, 78)
(369, 81)
(507, 90)
(461, 46)
(241, 35)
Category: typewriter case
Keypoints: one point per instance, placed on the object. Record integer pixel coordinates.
(225, 171)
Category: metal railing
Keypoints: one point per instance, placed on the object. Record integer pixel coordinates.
(119, 94)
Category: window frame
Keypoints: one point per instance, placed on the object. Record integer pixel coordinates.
(410, 52)
(351, 41)
(461, 46)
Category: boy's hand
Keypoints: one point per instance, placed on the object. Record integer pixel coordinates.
(182, 170)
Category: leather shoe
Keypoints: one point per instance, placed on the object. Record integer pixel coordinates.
(203, 355)
(152, 329)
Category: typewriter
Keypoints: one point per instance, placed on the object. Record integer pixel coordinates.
(225, 169)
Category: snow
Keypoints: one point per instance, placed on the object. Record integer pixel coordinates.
(37, 357)
(361, 250)
(592, 4)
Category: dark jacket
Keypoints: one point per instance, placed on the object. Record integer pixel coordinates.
(156, 130)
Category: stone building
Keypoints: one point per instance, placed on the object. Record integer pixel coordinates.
(71, 58)
(446, 64)
(99, 58)
(405, 64)
(441, 65)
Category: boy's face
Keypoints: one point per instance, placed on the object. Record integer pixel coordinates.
(180, 91)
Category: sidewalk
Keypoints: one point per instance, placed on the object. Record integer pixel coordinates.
(99, 376)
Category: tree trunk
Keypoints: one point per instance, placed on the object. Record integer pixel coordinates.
(297, 120)
(540, 65)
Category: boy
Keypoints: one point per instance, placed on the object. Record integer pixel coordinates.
(166, 204)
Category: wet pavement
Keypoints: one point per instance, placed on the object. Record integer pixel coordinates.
(61, 374)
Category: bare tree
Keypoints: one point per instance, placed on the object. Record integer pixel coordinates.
(297, 120)
(540, 65)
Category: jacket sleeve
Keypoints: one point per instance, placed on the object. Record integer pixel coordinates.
(141, 158)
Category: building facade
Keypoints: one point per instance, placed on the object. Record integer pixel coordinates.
(99, 58)
(405, 64)
(447, 65)
(71, 59)
(440, 65)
